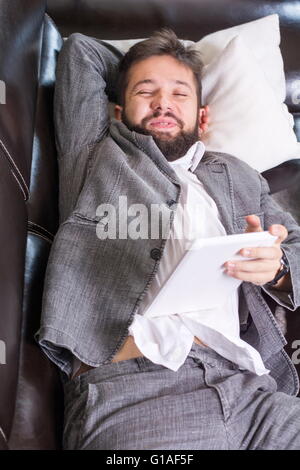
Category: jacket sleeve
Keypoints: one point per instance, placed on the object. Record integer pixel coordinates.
(86, 75)
(274, 214)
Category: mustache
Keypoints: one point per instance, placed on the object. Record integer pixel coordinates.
(157, 114)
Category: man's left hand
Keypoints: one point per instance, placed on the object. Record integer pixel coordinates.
(266, 264)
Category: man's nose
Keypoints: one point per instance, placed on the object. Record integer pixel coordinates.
(161, 101)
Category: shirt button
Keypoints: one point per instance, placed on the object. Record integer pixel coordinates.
(155, 254)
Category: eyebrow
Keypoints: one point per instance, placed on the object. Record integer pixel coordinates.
(152, 82)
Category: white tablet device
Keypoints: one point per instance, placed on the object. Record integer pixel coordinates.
(199, 281)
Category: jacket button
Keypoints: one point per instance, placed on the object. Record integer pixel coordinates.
(155, 254)
(171, 202)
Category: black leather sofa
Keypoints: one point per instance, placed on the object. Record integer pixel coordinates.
(31, 35)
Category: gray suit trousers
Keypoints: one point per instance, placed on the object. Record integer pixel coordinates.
(209, 403)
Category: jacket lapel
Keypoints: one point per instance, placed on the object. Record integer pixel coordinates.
(215, 177)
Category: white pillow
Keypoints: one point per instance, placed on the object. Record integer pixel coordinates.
(262, 38)
(246, 118)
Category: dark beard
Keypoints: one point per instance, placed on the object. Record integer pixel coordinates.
(171, 147)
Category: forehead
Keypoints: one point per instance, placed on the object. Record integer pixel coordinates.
(161, 69)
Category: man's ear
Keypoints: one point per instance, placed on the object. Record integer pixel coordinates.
(203, 119)
(118, 112)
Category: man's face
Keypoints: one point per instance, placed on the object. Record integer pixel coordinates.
(161, 100)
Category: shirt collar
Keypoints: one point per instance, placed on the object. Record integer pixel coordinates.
(191, 159)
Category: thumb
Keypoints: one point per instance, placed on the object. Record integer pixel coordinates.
(253, 224)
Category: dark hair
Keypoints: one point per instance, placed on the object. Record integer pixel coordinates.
(162, 42)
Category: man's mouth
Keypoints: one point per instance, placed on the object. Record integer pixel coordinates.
(162, 124)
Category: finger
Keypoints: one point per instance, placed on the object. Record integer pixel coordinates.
(253, 223)
(256, 278)
(254, 266)
(279, 231)
(267, 252)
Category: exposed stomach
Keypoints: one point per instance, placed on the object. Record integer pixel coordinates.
(129, 350)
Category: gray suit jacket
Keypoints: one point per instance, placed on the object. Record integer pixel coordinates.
(93, 287)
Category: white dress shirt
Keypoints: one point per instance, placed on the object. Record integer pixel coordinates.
(167, 340)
